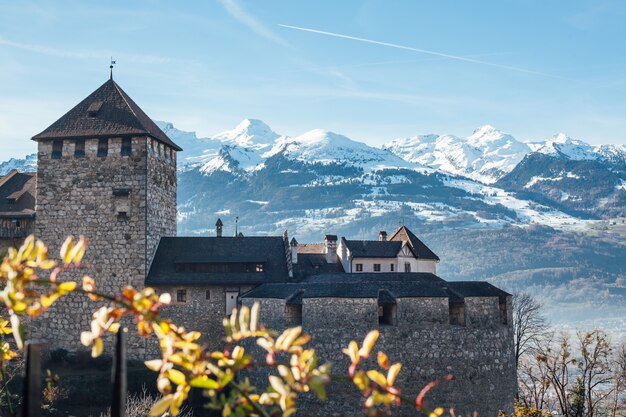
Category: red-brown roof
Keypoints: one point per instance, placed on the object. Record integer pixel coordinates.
(106, 112)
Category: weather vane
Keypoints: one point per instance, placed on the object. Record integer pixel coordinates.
(111, 67)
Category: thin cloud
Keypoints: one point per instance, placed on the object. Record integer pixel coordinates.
(408, 48)
(236, 11)
(91, 55)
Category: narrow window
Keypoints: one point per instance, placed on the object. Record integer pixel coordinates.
(359, 267)
(208, 294)
(79, 148)
(181, 296)
(376, 267)
(18, 224)
(103, 148)
(457, 313)
(127, 147)
(122, 215)
(386, 314)
(407, 267)
(503, 313)
(57, 149)
(259, 267)
(293, 314)
(391, 267)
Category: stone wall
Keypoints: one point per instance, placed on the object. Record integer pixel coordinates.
(104, 199)
(199, 313)
(13, 231)
(478, 354)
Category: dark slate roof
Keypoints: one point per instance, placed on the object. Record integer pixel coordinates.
(373, 248)
(172, 250)
(384, 286)
(314, 263)
(476, 289)
(106, 112)
(17, 194)
(419, 248)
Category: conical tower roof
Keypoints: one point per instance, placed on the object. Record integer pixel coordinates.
(106, 112)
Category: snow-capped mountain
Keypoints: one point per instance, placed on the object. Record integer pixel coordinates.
(26, 164)
(320, 146)
(486, 155)
(563, 146)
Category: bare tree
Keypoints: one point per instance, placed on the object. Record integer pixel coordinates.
(529, 323)
(618, 402)
(595, 367)
(559, 362)
(534, 383)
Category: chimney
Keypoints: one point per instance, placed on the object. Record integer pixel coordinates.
(218, 227)
(382, 235)
(330, 244)
(294, 250)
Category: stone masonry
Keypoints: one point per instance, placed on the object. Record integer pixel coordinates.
(122, 204)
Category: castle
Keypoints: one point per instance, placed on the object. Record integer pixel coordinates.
(106, 171)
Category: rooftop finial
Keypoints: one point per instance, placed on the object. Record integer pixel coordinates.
(111, 68)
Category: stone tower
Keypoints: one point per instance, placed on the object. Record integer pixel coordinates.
(106, 171)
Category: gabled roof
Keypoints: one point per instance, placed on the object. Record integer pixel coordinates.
(17, 194)
(420, 250)
(373, 248)
(106, 112)
(269, 250)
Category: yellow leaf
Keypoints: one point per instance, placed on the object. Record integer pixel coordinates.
(226, 411)
(98, 346)
(154, 365)
(277, 384)
(66, 249)
(17, 331)
(176, 376)
(204, 382)
(368, 343)
(393, 373)
(66, 287)
(377, 377)
(383, 360)
(352, 351)
(161, 406)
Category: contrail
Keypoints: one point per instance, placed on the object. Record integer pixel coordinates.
(408, 48)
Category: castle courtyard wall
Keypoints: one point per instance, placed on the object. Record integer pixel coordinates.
(478, 354)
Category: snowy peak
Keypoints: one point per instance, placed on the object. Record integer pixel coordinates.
(249, 133)
(486, 155)
(563, 146)
(325, 147)
(27, 164)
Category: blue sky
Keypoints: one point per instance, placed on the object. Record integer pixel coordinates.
(530, 68)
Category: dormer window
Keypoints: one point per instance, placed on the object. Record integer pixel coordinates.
(259, 268)
(94, 108)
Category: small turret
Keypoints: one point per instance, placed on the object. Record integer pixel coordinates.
(218, 227)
